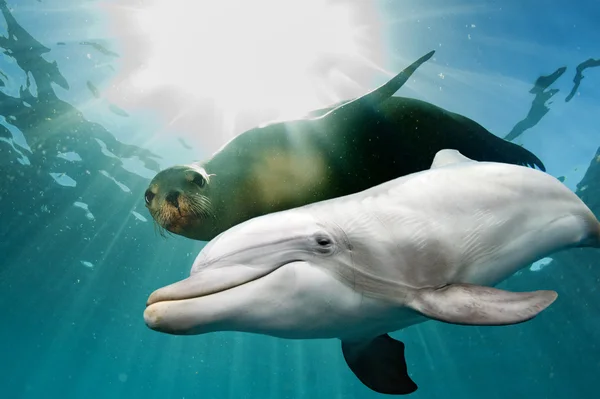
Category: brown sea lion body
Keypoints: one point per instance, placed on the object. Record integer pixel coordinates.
(335, 151)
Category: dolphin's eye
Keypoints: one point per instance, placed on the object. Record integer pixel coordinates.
(324, 244)
(199, 180)
(149, 196)
(323, 241)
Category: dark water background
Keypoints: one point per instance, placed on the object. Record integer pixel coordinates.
(77, 264)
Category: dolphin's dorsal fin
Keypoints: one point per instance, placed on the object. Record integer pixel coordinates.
(379, 94)
(448, 157)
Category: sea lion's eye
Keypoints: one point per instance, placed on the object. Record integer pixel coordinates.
(199, 180)
(149, 196)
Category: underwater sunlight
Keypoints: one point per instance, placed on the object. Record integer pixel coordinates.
(298, 199)
(243, 53)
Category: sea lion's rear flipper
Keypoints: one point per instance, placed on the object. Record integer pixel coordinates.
(448, 157)
(379, 94)
(518, 155)
(480, 306)
(380, 365)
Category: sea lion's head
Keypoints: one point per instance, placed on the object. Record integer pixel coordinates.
(179, 201)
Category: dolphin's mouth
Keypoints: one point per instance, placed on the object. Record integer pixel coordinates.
(210, 281)
(192, 305)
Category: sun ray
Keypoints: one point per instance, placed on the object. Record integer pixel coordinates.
(249, 55)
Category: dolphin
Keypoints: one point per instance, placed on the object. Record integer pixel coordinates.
(426, 246)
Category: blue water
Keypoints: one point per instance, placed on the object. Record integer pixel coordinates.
(80, 254)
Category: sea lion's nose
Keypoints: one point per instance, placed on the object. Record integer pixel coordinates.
(173, 198)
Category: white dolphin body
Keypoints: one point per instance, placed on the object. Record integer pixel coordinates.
(424, 246)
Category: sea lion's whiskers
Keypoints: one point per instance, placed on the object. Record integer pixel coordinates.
(200, 205)
(160, 230)
(161, 218)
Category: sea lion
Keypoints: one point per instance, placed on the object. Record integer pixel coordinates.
(341, 150)
(429, 245)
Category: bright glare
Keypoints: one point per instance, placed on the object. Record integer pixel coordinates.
(244, 53)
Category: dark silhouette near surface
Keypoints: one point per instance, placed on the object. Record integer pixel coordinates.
(30, 196)
(591, 63)
(93, 89)
(100, 48)
(538, 107)
(118, 111)
(183, 143)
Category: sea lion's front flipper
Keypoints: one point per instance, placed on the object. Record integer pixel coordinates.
(477, 305)
(448, 157)
(379, 94)
(380, 365)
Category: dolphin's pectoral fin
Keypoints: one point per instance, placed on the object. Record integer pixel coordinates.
(380, 365)
(477, 305)
(448, 157)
